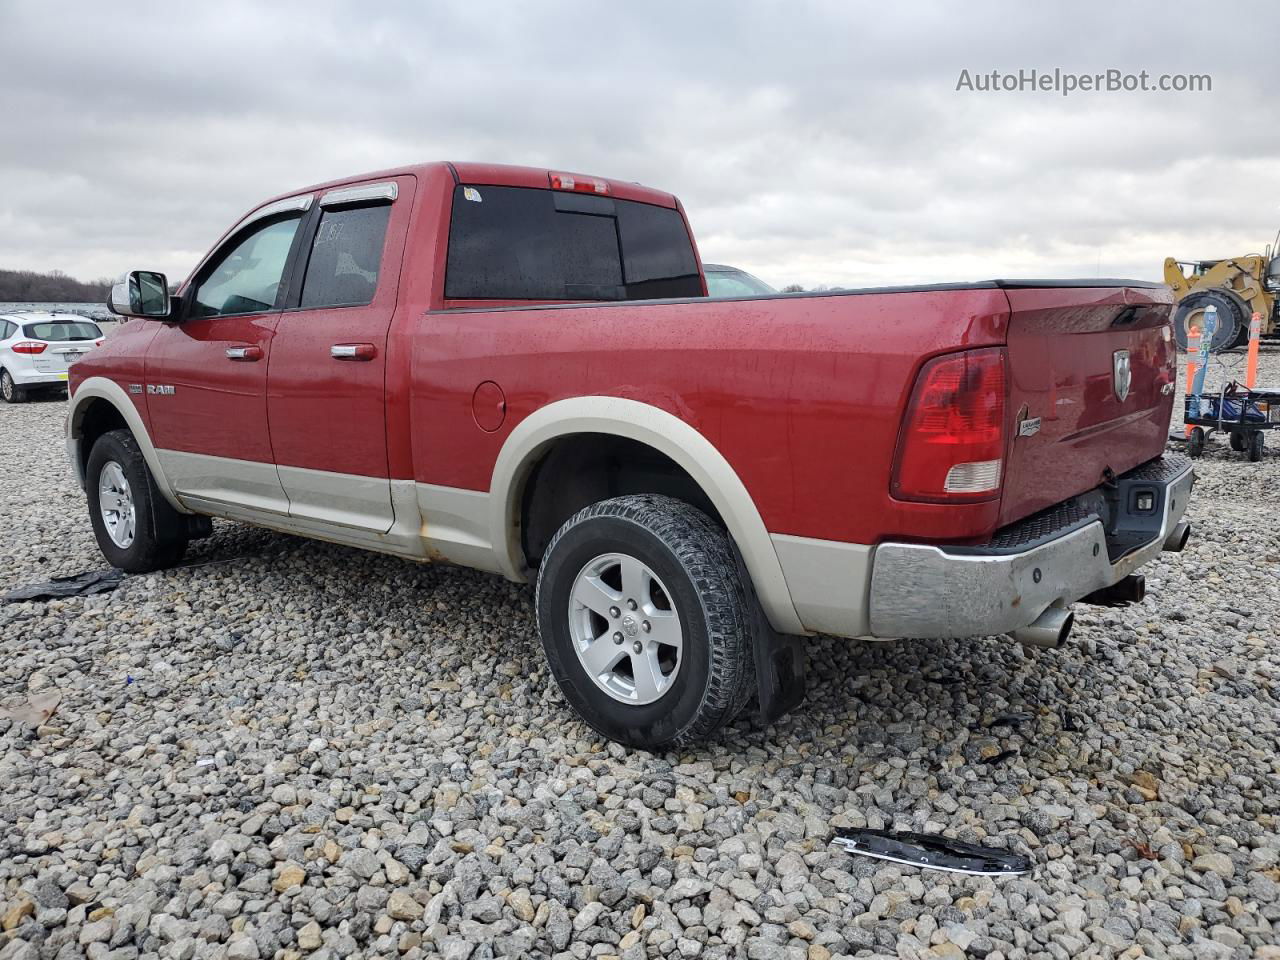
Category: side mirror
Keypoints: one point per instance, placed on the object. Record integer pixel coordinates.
(141, 293)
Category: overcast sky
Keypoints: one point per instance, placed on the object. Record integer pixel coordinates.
(821, 143)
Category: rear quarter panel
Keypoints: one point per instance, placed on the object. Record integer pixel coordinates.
(803, 395)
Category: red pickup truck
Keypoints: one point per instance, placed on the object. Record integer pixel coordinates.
(518, 370)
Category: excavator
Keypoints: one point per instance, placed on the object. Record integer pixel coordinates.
(1238, 287)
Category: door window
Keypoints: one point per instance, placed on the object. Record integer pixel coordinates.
(346, 256)
(246, 279)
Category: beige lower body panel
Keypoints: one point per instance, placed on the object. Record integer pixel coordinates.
(417, 520)
(243, 484)
(829, 583)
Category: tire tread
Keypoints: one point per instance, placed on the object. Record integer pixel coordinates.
(703, 551)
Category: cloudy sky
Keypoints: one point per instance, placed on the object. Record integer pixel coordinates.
(819, 143)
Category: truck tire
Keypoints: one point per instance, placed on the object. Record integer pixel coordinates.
(644, 621)
(10, 391)
(136, 527)
(1231, 319)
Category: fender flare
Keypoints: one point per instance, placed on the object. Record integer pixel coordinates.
(665, 433)
(105, 389)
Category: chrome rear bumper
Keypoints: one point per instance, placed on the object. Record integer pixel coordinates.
(919, 590)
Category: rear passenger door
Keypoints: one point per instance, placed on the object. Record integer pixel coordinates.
(326, 383)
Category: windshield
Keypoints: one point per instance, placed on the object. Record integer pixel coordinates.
(735, 283)
(58, 330)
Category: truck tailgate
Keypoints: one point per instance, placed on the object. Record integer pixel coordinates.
(1069, 346)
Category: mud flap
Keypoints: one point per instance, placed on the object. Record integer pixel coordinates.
(779, 658)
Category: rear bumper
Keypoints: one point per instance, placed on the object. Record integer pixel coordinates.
(38, 378)
(1052, 559)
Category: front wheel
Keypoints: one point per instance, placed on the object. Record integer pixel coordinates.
(136, 527)
(644, 621)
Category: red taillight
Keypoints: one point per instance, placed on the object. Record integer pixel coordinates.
(565, 181)
(952, 442)
(29, 346)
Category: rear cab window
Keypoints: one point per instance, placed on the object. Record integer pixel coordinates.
(55, 331)
(529, 243)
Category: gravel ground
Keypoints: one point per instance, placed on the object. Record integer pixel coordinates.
(303, 750)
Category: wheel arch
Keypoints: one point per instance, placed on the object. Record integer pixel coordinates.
(100, 404)
(667, 435)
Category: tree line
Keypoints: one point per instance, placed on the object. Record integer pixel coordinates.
(22, 286)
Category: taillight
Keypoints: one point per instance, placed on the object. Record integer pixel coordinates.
(29, 346)
(565, 181)
(952, 442)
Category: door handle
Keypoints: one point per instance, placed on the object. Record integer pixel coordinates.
(353, 351)
(244, 353)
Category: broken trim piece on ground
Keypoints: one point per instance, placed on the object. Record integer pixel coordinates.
(932, 852)
(77, 585)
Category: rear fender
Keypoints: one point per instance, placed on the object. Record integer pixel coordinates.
(665, 433)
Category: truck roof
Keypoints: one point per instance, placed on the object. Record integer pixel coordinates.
(497, 175)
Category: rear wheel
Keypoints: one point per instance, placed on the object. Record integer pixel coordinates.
(1195, 442)
(136, 527)
(1256, 442)
(9, 390)
(1237, 441)
(1191, 312)
(644, 621)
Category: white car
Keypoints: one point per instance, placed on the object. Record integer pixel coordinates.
(37, 349)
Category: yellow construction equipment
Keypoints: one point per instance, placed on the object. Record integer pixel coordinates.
(1238, 287)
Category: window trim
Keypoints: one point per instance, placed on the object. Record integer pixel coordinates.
(387, 191)
(287, 205)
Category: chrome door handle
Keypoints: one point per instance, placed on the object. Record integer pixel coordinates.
(353, 351)
(249, 353)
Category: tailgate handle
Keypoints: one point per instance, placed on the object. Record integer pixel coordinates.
(247, 354)
(353, 351)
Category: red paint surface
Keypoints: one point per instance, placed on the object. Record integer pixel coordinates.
(803, 396)
(1061, 345)
(329, 414)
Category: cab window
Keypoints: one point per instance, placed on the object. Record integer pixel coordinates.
(346, 256)
(246, 278)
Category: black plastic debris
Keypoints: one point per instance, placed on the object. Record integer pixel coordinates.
(932, 852)
(1000, 757)
(78, 585)
(1012, 720)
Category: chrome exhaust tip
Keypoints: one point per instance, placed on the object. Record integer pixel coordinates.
(1178, 538)
(1048, 631)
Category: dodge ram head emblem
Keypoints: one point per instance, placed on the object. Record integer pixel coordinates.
(1121, 373)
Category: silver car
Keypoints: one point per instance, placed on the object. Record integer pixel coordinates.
(37, 349)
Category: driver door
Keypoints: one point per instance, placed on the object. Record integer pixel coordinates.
(206, 389)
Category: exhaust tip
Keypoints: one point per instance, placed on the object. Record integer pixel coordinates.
(1048, 631)
(1177, 540)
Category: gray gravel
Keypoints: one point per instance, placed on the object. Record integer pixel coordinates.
(308, 751)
